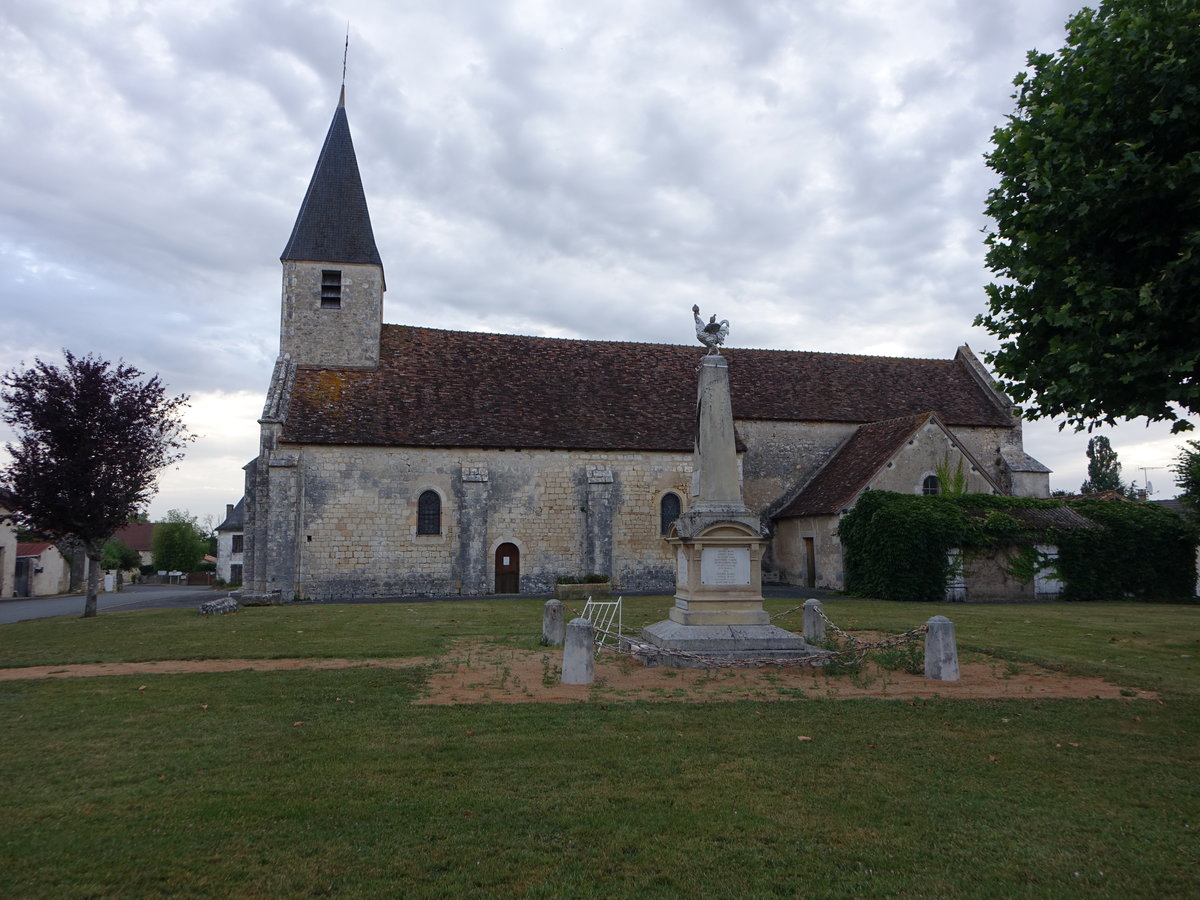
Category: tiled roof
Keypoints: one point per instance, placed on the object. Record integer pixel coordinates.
(136, 536)
(1062, 518)
(467, 389)
(33, 549)
(853, 466)
(334, 225)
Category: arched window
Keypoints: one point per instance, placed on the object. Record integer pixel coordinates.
(668, 511)
(429, 513)
(931, 485)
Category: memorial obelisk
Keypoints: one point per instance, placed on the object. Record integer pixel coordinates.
(718, 541)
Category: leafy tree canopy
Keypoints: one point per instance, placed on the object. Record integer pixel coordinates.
(1098, 221)
(1187, 475)
(91, 438)
(178, 544)
(119, 556)
(1104, 469)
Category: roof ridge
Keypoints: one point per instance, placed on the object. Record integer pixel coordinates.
(686, 346)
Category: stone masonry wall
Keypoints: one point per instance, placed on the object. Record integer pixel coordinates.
(567, 512)
(347, 336)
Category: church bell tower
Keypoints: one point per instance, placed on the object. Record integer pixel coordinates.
(333, 280)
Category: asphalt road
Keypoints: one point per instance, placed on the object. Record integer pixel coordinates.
(154, 596)
(134, 596)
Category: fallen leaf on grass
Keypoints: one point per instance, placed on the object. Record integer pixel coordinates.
(141, 687)
(297, 724)
(803, 737)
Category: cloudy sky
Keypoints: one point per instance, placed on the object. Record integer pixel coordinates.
(810, 169)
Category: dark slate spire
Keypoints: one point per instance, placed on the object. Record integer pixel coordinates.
(333, 225)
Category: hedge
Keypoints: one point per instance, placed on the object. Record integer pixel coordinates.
(896, 545)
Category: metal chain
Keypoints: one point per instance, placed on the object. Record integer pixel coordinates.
(858, 648)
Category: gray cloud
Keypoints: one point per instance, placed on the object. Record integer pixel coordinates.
(812, 170)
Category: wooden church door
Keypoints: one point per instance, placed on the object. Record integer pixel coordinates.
(508, 569)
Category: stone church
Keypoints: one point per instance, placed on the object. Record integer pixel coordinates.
(397, 460)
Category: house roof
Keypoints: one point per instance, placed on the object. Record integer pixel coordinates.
(34, 548)
(467, 389)
(333, 224)
(136, 535)
(1062, 518)
(852, 467)
(236, 520)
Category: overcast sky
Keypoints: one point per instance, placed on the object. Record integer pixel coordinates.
(809, 169)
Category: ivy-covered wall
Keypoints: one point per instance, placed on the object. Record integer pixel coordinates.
(896, 545)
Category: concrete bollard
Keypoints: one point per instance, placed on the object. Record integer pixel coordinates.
(941, 651)
(554, 625)
(814, 622)
(579, 653)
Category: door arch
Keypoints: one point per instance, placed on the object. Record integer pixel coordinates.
(508, 569)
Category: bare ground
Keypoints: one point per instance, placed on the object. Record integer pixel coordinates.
(487, 672)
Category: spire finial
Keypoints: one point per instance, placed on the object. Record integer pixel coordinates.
(345, 53)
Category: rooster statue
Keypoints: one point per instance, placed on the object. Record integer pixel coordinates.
(711, 335)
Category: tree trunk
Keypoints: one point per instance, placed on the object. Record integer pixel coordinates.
(94, 554)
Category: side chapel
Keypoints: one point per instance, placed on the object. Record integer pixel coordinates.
(396, 460)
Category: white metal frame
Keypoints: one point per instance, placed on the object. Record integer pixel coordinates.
(601, 614)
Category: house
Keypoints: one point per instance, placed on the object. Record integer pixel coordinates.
(8, 552)
(398, 460)
(231, 543)
(41, 570)
(138, 536)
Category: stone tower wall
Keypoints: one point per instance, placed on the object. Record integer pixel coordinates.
(317, 336)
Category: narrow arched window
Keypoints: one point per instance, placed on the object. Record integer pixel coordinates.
(668, 511)
(429, 513)
(931, 485)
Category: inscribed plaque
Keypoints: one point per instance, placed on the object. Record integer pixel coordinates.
(725, 565)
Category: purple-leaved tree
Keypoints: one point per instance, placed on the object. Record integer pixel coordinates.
(91, 438)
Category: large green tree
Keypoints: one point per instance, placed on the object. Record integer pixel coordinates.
(1187, 476)
(1104, 469)
(1097, 221)
(178, 544)
(91, 438)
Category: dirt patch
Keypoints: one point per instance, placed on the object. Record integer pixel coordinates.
(493, 673)
(189, 666)
(486, 672)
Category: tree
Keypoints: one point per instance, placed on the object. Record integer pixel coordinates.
(1104, 469)
(91, 439)
(1187, 475)
(1097, 235)
(119, 556)
(178, 544)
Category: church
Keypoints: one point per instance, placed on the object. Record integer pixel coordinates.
(397, 460)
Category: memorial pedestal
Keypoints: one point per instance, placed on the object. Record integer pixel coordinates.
(718, 613)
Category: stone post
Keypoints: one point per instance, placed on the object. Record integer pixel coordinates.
(579, 653)
(814, 622)
(941, 651)
(554, 625)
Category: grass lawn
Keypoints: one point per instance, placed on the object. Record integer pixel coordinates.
(331, 783)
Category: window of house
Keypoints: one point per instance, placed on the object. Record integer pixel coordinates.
(429, 513)
(931, 485)
(331, 289)
(238, 541)
(668, 511)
